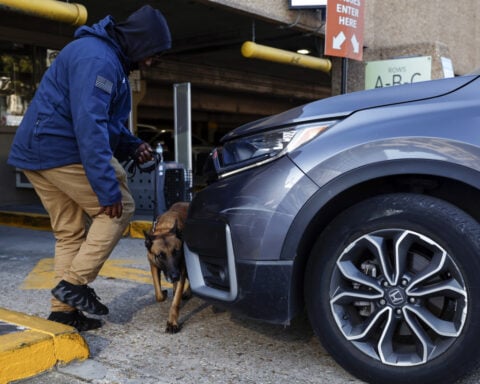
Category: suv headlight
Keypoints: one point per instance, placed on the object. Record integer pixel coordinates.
(255, 150)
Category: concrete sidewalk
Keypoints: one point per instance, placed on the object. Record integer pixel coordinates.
(213, 346)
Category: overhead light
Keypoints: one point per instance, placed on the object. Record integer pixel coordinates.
(303, 51)
(308, 4)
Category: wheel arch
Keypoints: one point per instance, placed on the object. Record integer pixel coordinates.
(454, 183)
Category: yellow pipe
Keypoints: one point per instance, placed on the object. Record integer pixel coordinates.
(71, 13)
(252, 50)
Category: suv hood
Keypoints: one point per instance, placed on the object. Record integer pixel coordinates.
(344, 105)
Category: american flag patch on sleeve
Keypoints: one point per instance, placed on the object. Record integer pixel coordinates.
(104, 84)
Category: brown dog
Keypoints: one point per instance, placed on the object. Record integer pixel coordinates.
(165, 254)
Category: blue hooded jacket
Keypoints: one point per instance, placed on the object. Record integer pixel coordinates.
(80, 109)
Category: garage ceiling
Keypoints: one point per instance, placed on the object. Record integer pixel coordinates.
(226, 87)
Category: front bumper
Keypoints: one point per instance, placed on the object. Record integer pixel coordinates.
(259, 290)
(234, 236)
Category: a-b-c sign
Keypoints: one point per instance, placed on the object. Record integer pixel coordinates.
(388, 73)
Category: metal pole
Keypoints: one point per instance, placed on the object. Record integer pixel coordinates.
(344, 75)
(253, 50)
(71, 13)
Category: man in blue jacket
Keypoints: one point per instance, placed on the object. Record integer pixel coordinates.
(69, 144)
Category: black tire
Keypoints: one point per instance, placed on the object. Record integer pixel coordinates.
(392, 290)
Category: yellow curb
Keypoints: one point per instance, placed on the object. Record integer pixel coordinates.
(42, 222)
(38, 348)
(25, 220)
(136, 228)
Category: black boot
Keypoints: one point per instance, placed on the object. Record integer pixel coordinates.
(81, 297)
(75, 319)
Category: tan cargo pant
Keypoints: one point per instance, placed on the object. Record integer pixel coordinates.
(71, 204)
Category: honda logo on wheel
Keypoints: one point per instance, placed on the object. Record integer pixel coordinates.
(396, 296)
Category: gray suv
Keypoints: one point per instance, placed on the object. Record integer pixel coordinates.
(363, 209)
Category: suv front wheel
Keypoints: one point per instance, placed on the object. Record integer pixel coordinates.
(392, 290)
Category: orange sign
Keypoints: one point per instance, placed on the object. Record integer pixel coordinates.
(344, 28)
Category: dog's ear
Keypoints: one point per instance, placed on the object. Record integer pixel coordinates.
(176, 231)
(148, 240)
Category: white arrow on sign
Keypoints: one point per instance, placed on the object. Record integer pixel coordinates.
(338, 40)
(355, 44)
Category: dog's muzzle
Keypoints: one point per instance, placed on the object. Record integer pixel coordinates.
(172, 277)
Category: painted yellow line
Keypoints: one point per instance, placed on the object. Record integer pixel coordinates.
(124, 270)
(42, 275)
(38, 348)
(137, 228)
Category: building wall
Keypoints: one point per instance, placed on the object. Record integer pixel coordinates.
(391, 23)
(276, 11)
(9, 193)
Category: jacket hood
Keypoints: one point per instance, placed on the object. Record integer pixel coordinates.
(143, 34)
(100, 30)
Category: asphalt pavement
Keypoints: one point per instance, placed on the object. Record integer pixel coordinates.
(214, 347)
(132, 346)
